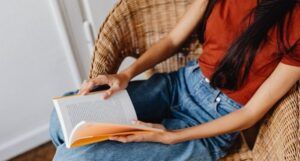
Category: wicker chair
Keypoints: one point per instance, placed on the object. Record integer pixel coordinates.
(133, 26)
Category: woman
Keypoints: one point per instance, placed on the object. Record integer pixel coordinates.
(251, 58)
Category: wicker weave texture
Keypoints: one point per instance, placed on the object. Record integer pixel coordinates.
(239, 152)
(279, 135)
(133, 26)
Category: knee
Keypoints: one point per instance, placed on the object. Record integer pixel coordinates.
(160, 80)
(54, 125)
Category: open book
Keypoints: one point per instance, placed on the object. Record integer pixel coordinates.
(89, 119)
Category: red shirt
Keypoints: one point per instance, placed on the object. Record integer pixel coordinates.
(224, 25)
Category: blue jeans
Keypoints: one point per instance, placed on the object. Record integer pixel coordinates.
(178, 100)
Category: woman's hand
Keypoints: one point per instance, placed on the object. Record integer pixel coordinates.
(165, 137)
(116, 82)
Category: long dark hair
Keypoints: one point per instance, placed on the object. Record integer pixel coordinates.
(234, 68)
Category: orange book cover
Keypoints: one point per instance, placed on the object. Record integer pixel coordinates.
(89, 119)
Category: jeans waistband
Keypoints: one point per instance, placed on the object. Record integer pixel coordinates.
(201, 80)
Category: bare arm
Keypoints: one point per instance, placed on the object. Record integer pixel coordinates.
(166, 47)
(276, 86)
(157, 53)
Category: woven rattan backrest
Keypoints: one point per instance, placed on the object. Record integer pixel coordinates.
(133, 26)
(279, 135)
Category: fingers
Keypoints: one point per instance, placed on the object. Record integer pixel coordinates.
(83, 88)
(114, 81)
(106, 94)
(122, 139)
(87, 86)
(130, 138)
(137, 122)
(135, 137)
(159, 126)
(114, 87)
(165, 137)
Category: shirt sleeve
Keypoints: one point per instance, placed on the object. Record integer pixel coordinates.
(292, 58)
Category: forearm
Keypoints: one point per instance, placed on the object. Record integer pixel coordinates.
(159, 52)
(167, 46)
(277, 85)
(236, 121)
(274, 88)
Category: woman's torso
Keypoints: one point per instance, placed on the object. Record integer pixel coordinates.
(224, 25)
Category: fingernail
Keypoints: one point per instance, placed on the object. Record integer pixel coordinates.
(102, 96)
(107, 94)
(105, 97)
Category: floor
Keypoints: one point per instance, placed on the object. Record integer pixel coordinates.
(44, 152)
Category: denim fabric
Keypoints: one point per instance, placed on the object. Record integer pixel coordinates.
(178, 100)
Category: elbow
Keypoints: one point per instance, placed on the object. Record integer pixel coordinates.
(174, 40)
(169, 43)
(250, 120)
(248, 125)
(173, 43)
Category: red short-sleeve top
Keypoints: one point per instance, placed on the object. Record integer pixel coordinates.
(224, 25)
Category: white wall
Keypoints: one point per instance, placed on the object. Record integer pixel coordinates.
(96, 12)
(93, 13)
(43, 53)
(33, 69)
(83, 19)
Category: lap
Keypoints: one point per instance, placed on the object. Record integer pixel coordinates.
(144, 151)
(151, 98)
(193, 102)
